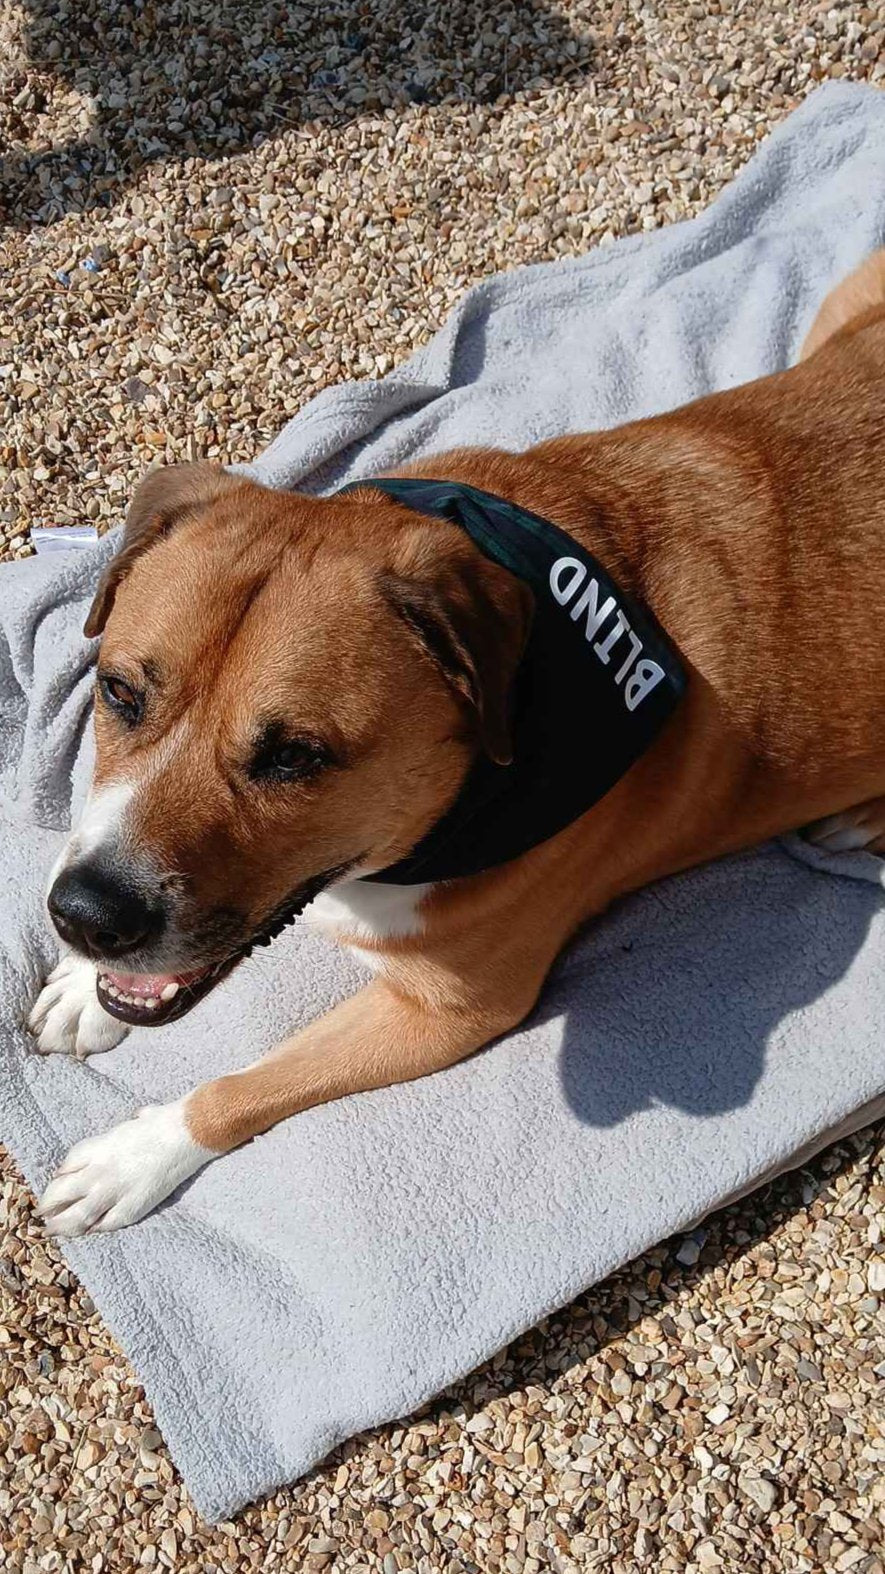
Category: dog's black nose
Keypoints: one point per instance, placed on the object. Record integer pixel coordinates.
(96, 912)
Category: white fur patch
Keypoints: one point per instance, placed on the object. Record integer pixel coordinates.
(67, 1018)
(102, 821)
(113, 1180)
(103, 817)
(369, 910)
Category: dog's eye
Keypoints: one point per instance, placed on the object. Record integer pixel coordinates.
(288, 759)
(121, 697)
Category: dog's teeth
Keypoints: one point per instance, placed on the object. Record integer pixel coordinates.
(110, 990)
(152, 1002)
(170, 991)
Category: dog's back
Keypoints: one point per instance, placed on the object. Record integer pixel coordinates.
(855, 303)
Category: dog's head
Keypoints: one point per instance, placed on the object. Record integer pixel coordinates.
(288, 690)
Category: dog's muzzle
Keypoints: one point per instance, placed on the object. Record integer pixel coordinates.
(104, 919)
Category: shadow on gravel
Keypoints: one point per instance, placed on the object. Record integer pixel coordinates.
(550, 1357)
(173, 79)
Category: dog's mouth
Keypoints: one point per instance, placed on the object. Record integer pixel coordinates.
(152, 999)
(149, 999)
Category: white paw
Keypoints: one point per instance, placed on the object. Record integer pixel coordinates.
(113, 1180)
(860, 827)
(67, 1018)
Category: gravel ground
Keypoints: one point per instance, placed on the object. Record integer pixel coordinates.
(205, 225)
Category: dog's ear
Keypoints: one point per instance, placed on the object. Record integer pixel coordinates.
(162, 500)
(472, 619)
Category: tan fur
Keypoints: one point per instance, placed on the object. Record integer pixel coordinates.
(751, 522)
(850, 302)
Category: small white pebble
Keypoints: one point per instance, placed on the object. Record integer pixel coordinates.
(762, 1492)
(718, 1414)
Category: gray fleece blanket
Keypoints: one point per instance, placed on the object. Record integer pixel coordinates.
(346, 1266)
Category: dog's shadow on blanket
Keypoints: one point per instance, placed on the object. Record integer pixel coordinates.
(692, 979)
(209, 78)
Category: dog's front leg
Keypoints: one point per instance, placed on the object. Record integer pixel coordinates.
(378, 1037)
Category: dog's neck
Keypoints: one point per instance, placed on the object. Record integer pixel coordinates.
(597, 681)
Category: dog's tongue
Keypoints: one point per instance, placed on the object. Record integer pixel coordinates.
(148, 985)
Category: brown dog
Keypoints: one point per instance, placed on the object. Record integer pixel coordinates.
(291, 693)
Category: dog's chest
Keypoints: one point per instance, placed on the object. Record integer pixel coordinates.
(361, 914)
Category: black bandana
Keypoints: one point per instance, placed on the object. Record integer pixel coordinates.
(597, 681)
